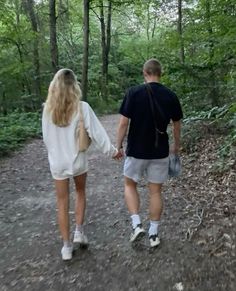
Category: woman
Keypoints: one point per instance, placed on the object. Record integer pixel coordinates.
(60, 123)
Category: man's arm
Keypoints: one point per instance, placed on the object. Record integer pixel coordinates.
(122, 130)
(176, 136)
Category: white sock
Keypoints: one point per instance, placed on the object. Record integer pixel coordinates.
(135, 220)
(153, 229)
(67, 243)
(79, 227)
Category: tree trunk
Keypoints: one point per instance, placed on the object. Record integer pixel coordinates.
(85, 51)
(214, 96)
(180, 32)
(29, 5)
(53, 35)
(108, 42)
(25, 82)
(105, 44)
(103, 41)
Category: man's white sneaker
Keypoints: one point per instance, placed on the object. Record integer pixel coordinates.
(137, 233)
(154, 240)
(81, 238)
(66, 253)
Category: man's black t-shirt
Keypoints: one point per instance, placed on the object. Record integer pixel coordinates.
(141, 136)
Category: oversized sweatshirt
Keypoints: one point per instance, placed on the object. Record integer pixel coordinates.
(64, 157)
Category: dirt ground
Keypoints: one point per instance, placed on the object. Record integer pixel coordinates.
(197, 251)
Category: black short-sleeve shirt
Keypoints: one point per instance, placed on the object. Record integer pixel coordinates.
(141, 136)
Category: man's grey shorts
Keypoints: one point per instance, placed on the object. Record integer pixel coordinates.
(155, 170)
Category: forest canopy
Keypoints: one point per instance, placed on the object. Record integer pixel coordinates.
(194, 40)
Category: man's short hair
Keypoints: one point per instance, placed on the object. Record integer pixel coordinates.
(152, 67)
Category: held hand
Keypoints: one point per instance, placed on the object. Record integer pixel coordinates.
(118, 155)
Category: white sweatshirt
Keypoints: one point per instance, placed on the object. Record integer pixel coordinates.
(65, 160)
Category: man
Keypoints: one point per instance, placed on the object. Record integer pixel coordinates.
(147, 144)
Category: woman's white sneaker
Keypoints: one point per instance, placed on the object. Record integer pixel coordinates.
(66, 253)
(81, 238)
(154, 240)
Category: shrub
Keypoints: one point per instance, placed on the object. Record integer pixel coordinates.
(16, 128)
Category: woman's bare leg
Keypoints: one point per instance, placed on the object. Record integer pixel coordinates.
(80, 203)
(62, 192)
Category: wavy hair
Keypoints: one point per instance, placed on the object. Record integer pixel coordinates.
(63, 98)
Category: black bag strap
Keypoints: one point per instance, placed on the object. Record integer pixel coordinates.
(153, 109)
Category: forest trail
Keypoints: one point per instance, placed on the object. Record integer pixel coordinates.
(197, 231)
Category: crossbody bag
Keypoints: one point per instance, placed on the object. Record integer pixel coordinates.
(155, 108)
(84, 139)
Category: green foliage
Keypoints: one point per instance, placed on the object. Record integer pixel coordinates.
(102, 106)
(16, 128)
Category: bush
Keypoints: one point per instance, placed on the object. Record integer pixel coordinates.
(16, 128)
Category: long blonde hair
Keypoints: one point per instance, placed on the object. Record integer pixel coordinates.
(63, 98)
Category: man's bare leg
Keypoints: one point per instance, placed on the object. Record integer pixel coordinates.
(133, 205)
(155, 209)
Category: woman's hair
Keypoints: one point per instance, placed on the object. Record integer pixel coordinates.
(63, 97)
(153, 67)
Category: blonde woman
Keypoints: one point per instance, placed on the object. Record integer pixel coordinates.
(59, 123)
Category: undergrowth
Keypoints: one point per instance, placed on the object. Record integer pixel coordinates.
(16, 128)
(219, 121)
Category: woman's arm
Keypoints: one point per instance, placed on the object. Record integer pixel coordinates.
(44, 127)
(97, 132)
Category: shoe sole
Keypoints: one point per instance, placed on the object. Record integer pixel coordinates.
(154, 245)
(82, 245)
(138, 237)
(79, 242)
(67, 258)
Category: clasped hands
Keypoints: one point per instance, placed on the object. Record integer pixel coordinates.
(118, 155)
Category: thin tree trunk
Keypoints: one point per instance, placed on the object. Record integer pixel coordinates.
(24, 82)
(214, 96)
(154, 27)
(85, 51)
(108, 42)
(103, 39)
(105, 44)
(148, 21)
(53, 35)
(29, 5)
(180, 32)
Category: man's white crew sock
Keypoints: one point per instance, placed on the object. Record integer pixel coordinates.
(135, 220)
(153, 229)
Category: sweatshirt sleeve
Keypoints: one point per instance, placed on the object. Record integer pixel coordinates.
(97, 132)
(45, 127)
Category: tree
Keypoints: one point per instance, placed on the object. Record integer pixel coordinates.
(105, 43)
(212, 80)
(29, 7)
(180, 32)
(53, 35)
(85, 50)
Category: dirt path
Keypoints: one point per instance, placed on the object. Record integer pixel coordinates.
(198, 230)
